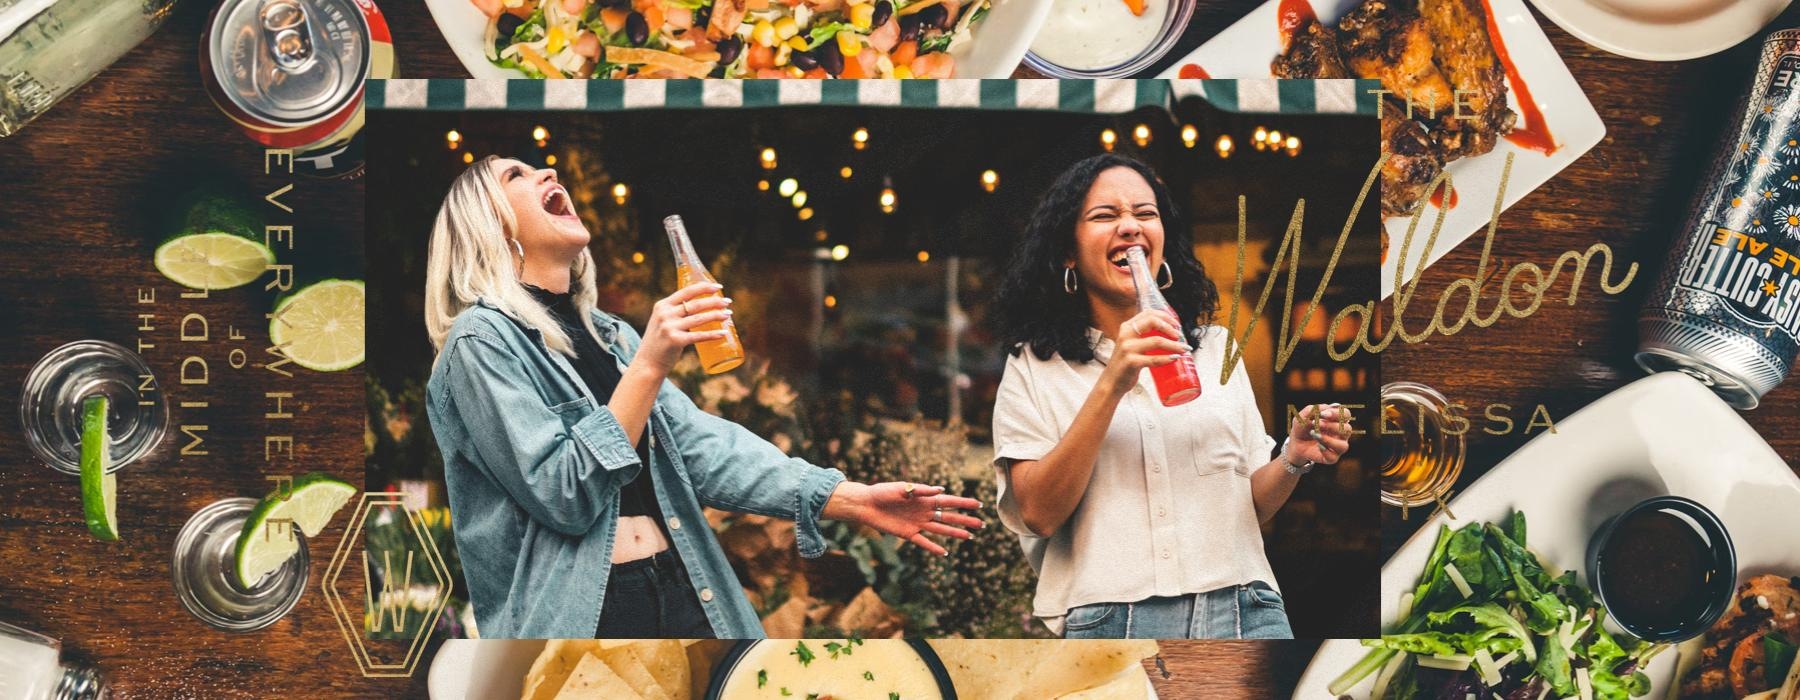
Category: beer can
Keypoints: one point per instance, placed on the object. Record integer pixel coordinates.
(1726, 308)
(290, 74)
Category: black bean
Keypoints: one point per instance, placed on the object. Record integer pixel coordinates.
(804, 60)
(884, 11)
(909, 27)
(636, 29)
(729, 49)
(718, 71)
(831, 58)
(702, 16)
(509, 23)
(934, 16)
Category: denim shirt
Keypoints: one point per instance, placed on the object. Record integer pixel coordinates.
(534, 466)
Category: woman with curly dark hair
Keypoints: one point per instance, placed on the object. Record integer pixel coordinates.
(1141, 520)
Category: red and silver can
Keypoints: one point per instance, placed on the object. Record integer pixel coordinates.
(1726, 308)
(291, 73)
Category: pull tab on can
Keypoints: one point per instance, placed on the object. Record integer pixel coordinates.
(287, 32)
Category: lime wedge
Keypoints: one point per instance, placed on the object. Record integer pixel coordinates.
(98, 488)
(267, 540)
(214, 260)
(321, 326)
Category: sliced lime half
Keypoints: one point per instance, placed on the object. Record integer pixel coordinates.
(99, 490)
(267, 540)
(320, 327)
(214, 260)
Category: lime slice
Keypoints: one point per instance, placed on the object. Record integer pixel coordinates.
(267, 540)
(321, 326)
(214, 260)
(98, 488)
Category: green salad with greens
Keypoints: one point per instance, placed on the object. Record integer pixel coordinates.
(1489, 620)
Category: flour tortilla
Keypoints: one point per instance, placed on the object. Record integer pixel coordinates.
(1016, 669)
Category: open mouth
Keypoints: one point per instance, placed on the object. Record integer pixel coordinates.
(556, 202)
(1117, 255)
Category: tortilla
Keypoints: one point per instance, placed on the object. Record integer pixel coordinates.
(553, 666)
(593, 680)
(1034, 669)
(667, 662)
(1130, 684)
(702, 655)
(633, 672)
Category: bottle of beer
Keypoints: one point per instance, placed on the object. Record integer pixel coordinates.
(1177, 382)
(722, 354)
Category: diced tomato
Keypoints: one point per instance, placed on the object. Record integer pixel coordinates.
(753, 5)
(826, 5)
(614, 18)
(904, 53)
(491, 8)
(817, 74)
(653, 17)
(771, 73)
(1136, 7)
(759, 56)
(588, 44)
(574, 7)
(934, 65)
(885, 37)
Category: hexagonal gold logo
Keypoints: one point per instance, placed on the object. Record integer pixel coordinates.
(391, 605)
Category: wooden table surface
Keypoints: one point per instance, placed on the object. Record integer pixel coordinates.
(81, 190)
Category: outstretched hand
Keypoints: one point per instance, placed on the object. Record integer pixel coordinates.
(906, 510)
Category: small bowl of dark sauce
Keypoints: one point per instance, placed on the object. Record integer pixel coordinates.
(1664, 569)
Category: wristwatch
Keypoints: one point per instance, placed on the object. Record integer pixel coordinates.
(1292, 468)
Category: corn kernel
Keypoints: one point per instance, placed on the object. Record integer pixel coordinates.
(555, 41)
(861, 16)
(902, 72)
(796, 72)
(783, 53)
(785, 28)
(849, 43)
(798, 43)
(763, 34)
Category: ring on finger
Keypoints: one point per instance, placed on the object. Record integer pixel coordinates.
(684, 309)
(907, 492)
(937, 514)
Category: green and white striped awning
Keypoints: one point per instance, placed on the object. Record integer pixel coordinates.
(1105, 96)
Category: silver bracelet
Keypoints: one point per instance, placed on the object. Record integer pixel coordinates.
(1292, 468)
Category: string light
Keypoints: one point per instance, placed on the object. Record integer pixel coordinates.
(637, 257)
(820, 235)
(550, 159)
(845, 172)
(888, 200)
(762, 185)
(1224, 145)
(799, 199)
(788, 187)
(989, 180)
(1293, 146)
(768, 158)
(1274, 139)
(1189, 135)
(468, 157)
(1141, 134)
(1260, 139)
(924, 256)
(620, 192)
(831, 301)
(1108, 138)
(806, 213)
(840, 251)
(859, 139)
(541, 135)
(453, 139)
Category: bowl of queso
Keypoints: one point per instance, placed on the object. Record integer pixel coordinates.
(839, 669)
(1106, 38)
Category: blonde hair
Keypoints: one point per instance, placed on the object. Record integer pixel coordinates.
(471, 257)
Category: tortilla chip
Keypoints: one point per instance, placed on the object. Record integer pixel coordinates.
(553, 666)
(1130, 684)
(667, 662)
(634, 674)
(1033, 669)
(702, 655)
(655, 58)
(593, 680)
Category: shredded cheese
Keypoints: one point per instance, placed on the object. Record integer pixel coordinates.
(1456, 577)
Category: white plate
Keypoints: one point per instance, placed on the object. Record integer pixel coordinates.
(479, 669)
(1000, 40)
(1662, 30)
(1664, 434)
(1245, 49)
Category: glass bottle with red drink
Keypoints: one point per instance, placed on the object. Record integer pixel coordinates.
(1177, 382)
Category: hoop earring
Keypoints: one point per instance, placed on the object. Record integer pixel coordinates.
(521, 249)
(1070, 282)
(1171, 275)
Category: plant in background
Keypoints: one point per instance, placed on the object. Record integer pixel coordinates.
(403, 587)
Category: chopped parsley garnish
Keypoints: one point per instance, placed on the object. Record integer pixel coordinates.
(762, 677)
(836, 648)
(868, 675)
(812, 696)
(804, 654)
(893, 696)
(784, 691)
(855, 639)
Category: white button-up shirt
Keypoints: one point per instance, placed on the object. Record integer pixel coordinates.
(1168, 509)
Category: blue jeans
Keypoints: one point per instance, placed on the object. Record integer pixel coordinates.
(1246, 611)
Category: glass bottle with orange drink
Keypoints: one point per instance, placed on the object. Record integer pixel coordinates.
(1177, 382)
(722, 354)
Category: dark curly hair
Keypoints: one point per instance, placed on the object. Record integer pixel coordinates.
(1032, 306)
